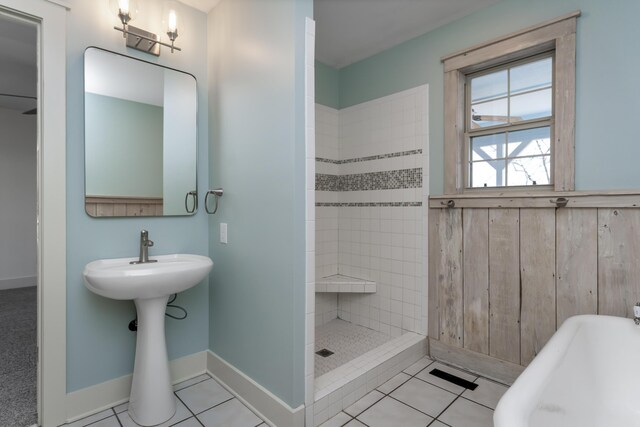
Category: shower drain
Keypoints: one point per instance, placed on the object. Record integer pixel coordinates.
(324, 352)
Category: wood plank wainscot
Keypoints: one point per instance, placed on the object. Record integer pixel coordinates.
(505, 271)
(114, 206)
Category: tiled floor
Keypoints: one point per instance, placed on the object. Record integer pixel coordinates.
(411, 398)
(347, 341)
(201, 402)
(416, 398)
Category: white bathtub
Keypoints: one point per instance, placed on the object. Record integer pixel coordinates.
(588, 374)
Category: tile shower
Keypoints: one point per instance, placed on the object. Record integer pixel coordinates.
(370, 301)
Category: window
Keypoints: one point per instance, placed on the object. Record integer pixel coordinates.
(509, 111)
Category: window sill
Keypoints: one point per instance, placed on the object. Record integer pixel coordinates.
(539, 199)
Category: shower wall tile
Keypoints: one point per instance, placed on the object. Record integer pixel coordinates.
(384, 243)
(327, 143)
(326, 307)
(371, 161)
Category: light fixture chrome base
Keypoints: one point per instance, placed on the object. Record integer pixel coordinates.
(143, 40)
(139, 39)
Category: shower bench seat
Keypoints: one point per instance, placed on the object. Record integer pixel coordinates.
(340, 283)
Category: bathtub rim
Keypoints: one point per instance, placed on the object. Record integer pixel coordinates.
(517, 404)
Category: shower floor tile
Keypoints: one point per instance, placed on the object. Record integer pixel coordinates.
(347, 341)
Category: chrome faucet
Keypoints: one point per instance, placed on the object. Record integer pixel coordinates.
(636, 313)
(145, 244)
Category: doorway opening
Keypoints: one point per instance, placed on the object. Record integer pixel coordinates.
(18, 222)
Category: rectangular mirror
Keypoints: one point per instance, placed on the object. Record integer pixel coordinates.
(140, 137)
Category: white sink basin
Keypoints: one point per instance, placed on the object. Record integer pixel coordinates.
(149, 285)
(118, 279)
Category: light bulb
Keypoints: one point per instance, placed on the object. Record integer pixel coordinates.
(123, 5)
(173, 20)
(124, 10)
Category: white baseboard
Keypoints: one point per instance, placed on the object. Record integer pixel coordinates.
(18, 282)
(90, 400)
(259, 399)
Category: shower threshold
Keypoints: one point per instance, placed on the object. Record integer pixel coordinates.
(343, 386)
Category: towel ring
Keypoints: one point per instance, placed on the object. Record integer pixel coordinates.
(194, 195)
(217, 193)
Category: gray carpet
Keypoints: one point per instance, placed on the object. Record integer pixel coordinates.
(18, 356)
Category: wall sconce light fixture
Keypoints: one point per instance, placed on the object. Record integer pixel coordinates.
(140, 39)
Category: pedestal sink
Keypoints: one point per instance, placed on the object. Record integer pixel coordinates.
(149, 285)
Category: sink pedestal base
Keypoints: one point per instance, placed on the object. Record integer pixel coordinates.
(152, 401)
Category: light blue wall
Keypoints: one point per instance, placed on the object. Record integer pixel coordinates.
(113, 155)
(257, 155)
(327, 85)
(607, 96)
(99, 345)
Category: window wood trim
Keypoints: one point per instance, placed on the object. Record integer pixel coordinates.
(558, 34)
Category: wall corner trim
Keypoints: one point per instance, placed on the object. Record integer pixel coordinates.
(259, 399)
(96, 398)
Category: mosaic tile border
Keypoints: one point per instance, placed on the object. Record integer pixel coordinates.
(369, 158)
(368, 204)
(326, 182)
(385, 180)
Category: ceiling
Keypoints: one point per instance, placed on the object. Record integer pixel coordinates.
(203, 5)
(348, 31)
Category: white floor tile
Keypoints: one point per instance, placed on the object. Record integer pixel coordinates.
(182, 413)
(418, 366)
(488, 393)
(423, 396)
(337, 421)
(394, 383)
(354, 423)
(190, 382)
(229, 414)
(91, 419)
(453, 388)
(437, 423)
(112, 421)
(190, 422)
(364, 403)
(464, 413)
(203, 396)
(391, 413)
(121, 408)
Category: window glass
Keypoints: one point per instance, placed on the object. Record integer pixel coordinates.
(531, 105)
(489, 113)
(488, 174)
(489, 86)
(488, 147)
(530, 142)
(516, 102)
(531, 76)
(529, 171)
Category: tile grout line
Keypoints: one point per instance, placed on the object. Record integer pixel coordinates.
(185, 405)
(458, 396)
(394, 389)
(191, 385)
(436, 418)
(113, 409)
